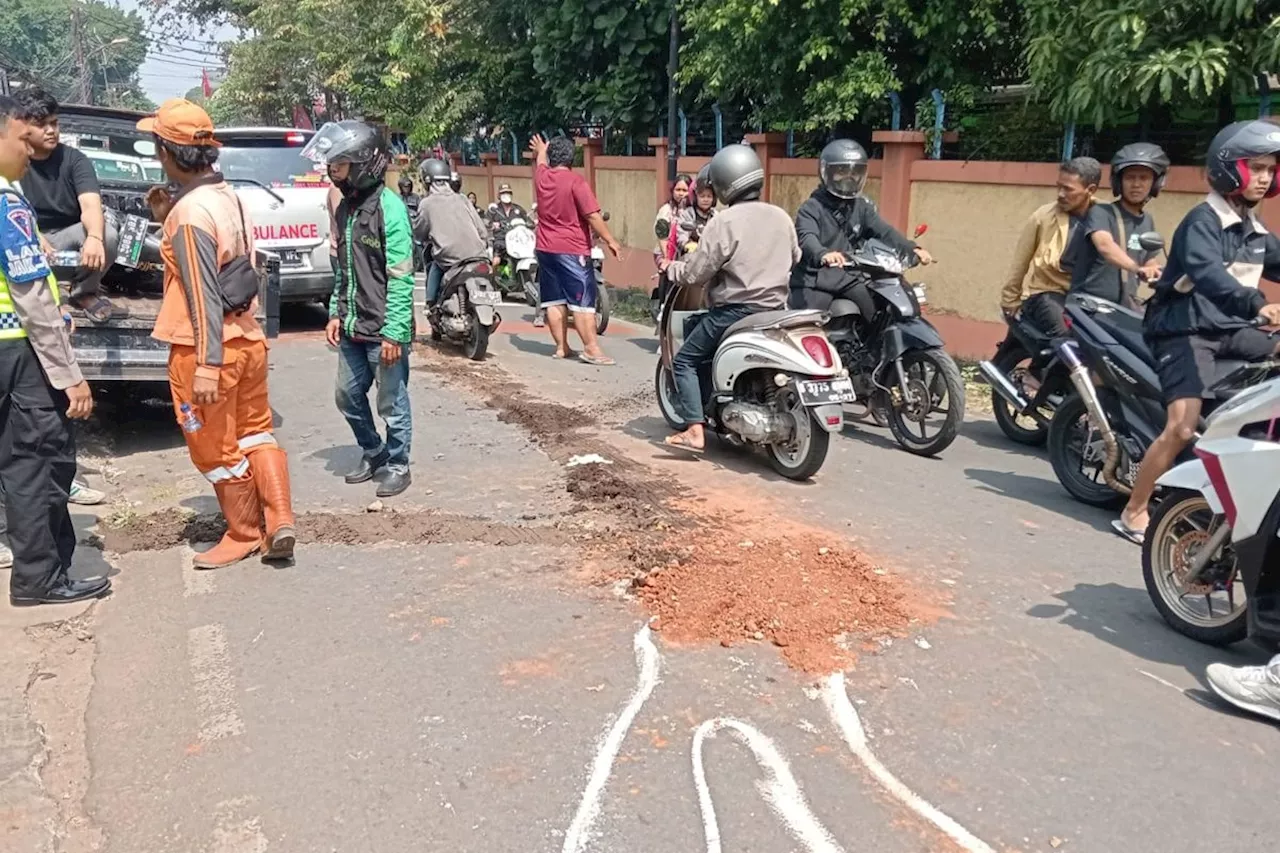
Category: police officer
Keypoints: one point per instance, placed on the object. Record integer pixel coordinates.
(41, 389)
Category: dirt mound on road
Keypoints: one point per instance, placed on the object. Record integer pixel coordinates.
(171, 528)
(806, 594)
(544, 421)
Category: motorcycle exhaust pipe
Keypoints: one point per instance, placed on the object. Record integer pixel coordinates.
(1003, 386)
(1084, 387)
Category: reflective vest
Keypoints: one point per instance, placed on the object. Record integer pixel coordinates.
(10, 323)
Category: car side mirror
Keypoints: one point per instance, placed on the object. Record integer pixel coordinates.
(1151, 241)
(921, 229)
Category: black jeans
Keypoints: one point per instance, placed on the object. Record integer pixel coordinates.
(37, 465)
(699, 347)
(1045, 311)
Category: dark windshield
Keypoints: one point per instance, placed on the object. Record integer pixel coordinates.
(269, 161)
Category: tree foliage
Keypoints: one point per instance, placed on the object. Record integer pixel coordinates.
(38, 46)
(1098, 60)
(817, 63)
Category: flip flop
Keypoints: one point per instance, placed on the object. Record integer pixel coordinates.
(570, 354)
(99, 310)
(679, 442)
(1133, 534)
(596, 360)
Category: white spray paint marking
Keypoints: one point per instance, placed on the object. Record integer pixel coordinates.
(846, 720)
(194, 581)
(232, 835)
(1160, 680)
(575, 840)
(779, 788)
(215, 688)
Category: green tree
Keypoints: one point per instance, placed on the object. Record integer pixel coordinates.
(38, 46)
(1099, 60)
(817, 63)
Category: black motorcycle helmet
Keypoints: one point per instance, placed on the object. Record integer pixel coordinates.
(736, 174)
(433, 170)
(843, 168)
(351, 142)
(455, 181)
(1140, 154)
(405, 184)
(703, 181)
(1232, 149)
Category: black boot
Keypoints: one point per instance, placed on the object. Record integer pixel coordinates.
(392, 483)
(65, 591)
(364, 472)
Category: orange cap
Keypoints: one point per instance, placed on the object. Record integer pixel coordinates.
(181, 122)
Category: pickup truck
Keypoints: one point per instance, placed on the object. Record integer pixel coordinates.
(122, 349)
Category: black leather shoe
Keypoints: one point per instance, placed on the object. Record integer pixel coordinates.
(364, 472)
(392, 483)
(65, 593)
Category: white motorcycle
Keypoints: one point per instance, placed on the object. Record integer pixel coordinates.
(1211, 556)
(467, 310)
(776, 383)
(522, 257)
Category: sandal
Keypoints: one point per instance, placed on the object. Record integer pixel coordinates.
(1133, 534)
(596, 360)
(99, 310)
(569, 354)
(680, 442)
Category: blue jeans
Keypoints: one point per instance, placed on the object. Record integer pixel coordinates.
(359, 367)
(435, 276)
(700, 347)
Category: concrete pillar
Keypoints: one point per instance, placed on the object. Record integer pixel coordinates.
(769, 147)
(591, 149)
(489, 159)
(659, 144)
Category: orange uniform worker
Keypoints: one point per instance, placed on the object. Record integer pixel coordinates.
(217, 359)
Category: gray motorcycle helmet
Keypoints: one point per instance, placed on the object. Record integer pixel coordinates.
(736, 174)
(352, 142)
(1140, 154)
(842, 166)
(434, 170)
(1234, 145)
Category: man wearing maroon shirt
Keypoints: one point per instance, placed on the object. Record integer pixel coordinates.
(567, 214)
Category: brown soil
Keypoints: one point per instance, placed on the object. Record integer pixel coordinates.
(170, 528)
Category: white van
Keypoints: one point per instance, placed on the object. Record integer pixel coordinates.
(284, 195)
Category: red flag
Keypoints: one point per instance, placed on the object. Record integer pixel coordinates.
(301, 119)
(205, 85)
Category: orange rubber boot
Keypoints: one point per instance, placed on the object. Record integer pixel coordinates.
(240, 506)
(270, 466)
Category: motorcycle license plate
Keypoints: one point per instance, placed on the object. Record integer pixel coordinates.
(133, 233)
(826, 392)
(486, 297)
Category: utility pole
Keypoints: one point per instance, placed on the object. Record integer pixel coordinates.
(84, 89)
(673, 68)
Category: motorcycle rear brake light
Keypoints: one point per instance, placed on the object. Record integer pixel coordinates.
(483, 269)
(818, 349)
(295, 138)
(834, 420)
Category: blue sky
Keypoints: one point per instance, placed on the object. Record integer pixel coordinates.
(174, 61)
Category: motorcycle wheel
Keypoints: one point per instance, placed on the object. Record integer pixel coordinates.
(801, 458)
(1069, 434)
(664, 386)
(602, 309)
(1180, 522)
(936, 387)
(477, 343)
(1020, 428)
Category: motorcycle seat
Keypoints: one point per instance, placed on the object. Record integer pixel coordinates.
(778, 320)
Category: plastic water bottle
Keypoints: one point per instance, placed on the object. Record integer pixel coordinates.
(70, 258)
(190, 423)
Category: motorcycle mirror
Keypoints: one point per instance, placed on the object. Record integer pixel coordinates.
(1151, 241)
(921, 228)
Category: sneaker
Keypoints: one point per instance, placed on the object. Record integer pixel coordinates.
(6, 557)
(1255, 689)
(84, 496)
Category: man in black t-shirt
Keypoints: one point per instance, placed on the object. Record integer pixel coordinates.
(63, 188)
(1108, 259)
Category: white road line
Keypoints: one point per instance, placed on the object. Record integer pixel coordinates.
(194, 581)
(231, 835)
(780, 790)
(214, 686)
(575, 840)
(846, 720)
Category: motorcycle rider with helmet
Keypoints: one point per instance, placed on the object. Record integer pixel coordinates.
(448, 225)
(833, 222)
(1109, 260)
(505, 209)
(746, 255)
(692, 219)
(371, 310)
(407, 195)
(1207, 298)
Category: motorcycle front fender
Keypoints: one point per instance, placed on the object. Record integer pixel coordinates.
(916, 333)
(1192, 477)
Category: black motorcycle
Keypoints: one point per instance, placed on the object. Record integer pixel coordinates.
(1100, 433)
(1028, 382)
(895, 356)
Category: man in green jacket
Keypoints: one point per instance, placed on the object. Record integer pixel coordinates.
(371, 312)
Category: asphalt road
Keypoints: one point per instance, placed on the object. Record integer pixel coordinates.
(462, 696)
